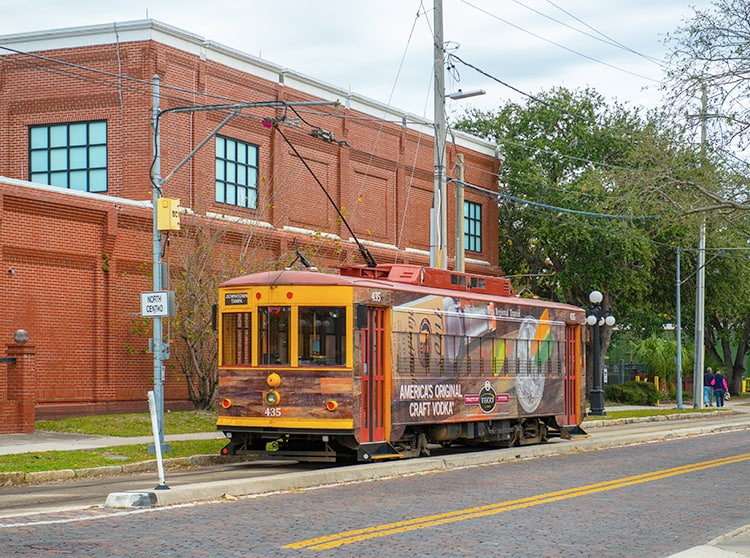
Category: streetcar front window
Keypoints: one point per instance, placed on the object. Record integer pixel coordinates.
(273, 335)
(236, 336)
(322, 336)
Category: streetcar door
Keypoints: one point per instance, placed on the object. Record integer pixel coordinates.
(572, 377)
(374, 392)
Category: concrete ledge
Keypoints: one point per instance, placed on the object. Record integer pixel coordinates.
(140, 467)
(130, 500)
(16, 478)
(12, 478)
(654, 418)
(99, 471)
(48, 476)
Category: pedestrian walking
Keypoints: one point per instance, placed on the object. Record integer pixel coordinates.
(708, 389)
(720, 388)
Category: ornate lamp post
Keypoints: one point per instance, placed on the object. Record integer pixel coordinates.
(596, 318)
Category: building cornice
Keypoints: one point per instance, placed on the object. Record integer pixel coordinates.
(153, 30)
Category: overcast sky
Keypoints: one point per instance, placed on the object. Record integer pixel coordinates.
(382, 49)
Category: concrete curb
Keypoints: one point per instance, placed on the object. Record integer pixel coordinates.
(38, 477)
(655, 418)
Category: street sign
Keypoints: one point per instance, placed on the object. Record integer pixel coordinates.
(157, 304)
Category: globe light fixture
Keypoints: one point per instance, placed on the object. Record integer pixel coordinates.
(597, 318)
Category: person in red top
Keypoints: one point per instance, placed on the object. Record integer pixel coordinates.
(720, 388)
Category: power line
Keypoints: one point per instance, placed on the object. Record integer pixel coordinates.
(540, 37)
(604, 37)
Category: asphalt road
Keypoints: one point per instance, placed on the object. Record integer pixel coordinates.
(83, 493)
(634, 499)
(187, 485)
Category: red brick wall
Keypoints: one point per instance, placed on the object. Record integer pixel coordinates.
(80, 262)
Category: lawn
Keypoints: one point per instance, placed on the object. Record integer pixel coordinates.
(124, 425)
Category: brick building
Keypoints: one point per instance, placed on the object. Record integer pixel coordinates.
(76, 162)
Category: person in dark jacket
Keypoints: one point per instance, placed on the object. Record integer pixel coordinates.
(720, 388)
(708, 387)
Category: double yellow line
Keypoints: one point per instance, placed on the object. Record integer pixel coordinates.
(357, 535)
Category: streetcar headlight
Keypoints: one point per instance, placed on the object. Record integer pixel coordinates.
(272, 398)
(332, 405)
(226, 403)
(273, 380)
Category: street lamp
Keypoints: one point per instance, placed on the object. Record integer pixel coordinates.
(598, 317)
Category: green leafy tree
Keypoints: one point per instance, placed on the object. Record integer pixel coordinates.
(659, 354)
(727, 327)
(587, 191)
(708, 80)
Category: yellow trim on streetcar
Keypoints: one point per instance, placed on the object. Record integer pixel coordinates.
(275, 422)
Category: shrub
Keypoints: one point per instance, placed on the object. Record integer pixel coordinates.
(632, 393)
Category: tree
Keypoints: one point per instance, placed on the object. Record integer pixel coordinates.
(204, 261)
(708, 79)
(586, 188)
(727, 331)
(710, 55)
(659, 355)
(208, 252)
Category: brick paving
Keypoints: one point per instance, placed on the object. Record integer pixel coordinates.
(652, 519)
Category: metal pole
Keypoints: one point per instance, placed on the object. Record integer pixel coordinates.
(678, 332)
(157, 345)
(157, 446)
(460, 212)
(439, 214)
(597, 393)
(700, 294)
(700, 284)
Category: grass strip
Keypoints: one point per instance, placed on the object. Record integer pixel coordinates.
(101, 457)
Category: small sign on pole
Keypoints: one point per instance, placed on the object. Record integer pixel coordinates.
(157, 304)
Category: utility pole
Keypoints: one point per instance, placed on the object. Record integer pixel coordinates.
(700, 287)
(460, 212)
(157, 343)
(439, 213)
(678, 332)
(700, 295)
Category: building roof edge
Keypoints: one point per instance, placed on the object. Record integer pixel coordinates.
(151, 29)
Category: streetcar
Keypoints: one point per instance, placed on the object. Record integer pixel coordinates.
(388, 361)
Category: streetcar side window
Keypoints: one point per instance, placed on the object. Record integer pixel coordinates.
(236, 338)
(273, 335)
(322, 336)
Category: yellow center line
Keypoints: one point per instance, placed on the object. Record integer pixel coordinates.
(349, 537)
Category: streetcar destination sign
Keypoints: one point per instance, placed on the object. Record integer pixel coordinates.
(156, 304)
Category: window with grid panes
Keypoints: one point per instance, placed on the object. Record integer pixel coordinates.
(472, 226)
(236, 172)
(70, 155)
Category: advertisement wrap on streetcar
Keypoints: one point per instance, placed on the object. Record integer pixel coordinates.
(381, 362)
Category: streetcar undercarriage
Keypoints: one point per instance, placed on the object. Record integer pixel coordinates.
(415, 442)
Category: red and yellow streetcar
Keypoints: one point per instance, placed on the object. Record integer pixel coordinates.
(380, 362)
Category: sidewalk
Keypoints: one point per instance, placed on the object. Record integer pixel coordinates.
(41, 441)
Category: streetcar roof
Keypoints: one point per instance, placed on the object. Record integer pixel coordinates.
(409, 277)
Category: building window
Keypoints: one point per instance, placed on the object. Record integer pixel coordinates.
(473, 226)
(236, 172)
(69, 155)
